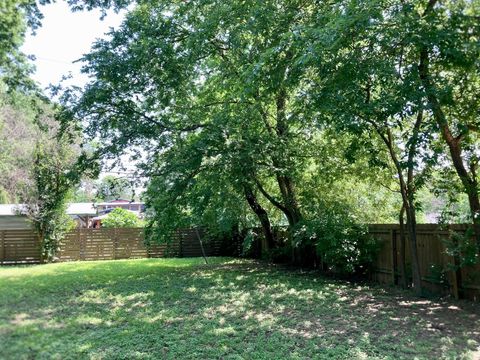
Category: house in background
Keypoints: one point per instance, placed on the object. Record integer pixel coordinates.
(104, 208)
(82, 213)
(12, 216)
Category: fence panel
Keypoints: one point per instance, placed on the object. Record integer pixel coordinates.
(436, 267)
(19, 247)
(23, 247)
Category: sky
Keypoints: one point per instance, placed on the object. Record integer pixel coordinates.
(63, 38)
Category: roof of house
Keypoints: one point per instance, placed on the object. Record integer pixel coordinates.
(122, 202)
(101, 217)
(81, 209)
(73, 209)
(11, 209)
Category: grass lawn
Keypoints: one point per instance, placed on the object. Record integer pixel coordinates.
(231, 309)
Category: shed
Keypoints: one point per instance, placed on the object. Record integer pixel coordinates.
(11, 217)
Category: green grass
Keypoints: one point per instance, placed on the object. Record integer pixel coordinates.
(230, 309)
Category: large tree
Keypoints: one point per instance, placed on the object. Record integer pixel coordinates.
(176, 68)
(366, 84)
(448, 59)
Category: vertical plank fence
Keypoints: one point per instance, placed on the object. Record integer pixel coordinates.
(437, 270)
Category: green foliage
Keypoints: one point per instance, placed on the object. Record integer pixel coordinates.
(37, 164)
(343, 246)
(463, 247)
(249, 244)
(121, 218)
(239, 119)
(303, 105)
(16, 17)
(48, 199)
(438, 275)
(22, 118)
(112, 188)
(4, 198)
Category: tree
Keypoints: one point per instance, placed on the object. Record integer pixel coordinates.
(216, 96)
(20, 117)
(112, 188)
(53, 181)
(372, 73)
(236, 101)
(198, 82)
(38, 164)
(448, 36)
(121, 218)
(16, 18)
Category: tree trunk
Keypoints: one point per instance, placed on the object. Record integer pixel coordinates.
(403, 271)
(412, 234)
(286, 186)
(288, 206)
(269, 239)
(407, 191)
(285, 182)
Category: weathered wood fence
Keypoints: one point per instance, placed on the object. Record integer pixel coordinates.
(19, 246)
(436, 266)
(23, 246)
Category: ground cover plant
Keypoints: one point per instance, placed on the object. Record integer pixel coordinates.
(229, 309)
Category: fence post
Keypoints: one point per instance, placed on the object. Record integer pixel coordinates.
(393, 238)
(180, 243)
(453, 271)
(81, 243)
(456, 276)
(115, 243)
(2, 237)
(40, 247)
(455, 284)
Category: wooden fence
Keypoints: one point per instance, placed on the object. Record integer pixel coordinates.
(23, 247)
(436, 267)
(19, 246)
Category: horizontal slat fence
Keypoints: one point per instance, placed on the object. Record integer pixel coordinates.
(23, 246)
(19, 246)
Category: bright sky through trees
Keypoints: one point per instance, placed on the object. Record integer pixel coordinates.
(62, 39)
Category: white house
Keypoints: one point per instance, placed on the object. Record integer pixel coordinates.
(11, 215)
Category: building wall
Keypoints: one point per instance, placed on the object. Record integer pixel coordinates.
(8, 222)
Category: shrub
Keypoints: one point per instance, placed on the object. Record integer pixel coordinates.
(343, 246)
(121, 218)
(463, 247)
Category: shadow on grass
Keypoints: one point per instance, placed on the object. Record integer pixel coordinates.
(181, 309)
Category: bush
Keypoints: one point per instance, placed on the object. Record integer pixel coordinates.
(463, 247)
(344, 247)
(121, 218)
